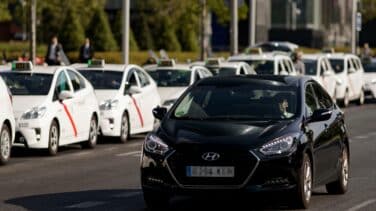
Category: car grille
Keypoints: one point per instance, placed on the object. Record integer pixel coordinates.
(244, 162)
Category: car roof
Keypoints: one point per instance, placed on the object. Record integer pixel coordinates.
(283, 43)
(314, 56)
(245, 79)
(263, 56)
(37, 69)
(340, 55)
(112, 67)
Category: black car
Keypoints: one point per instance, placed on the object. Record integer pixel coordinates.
(247, 134)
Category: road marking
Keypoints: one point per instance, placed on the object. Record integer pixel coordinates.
(135, 144)
(362, 205)
(361, 137)
(81, 154)
(87, 204)
(110, 149)
(128, 153)
(127, 195)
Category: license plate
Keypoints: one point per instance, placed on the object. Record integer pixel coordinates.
(210, 171)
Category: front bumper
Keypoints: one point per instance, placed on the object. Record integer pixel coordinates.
(110, 123)
(32, 133)
(278, 174)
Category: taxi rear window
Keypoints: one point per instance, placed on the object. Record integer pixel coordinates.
(28, 83)
(103, 79)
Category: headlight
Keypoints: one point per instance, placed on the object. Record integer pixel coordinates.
(279, 145)
(339, 81)
(155, 145)
(168, 103)
(108, 105)
(34, 113)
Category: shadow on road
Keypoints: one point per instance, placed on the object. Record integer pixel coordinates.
(132, 200)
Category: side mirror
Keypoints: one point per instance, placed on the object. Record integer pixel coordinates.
(131, 90)
(352, 70)
(320, 115)
(159, 112)
(65, 95)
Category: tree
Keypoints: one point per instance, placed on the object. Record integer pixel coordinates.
(144, 36)
(166, 35)
(117, 30)
(4, 12)
(100, 32)
(368, 10)
(72, 35)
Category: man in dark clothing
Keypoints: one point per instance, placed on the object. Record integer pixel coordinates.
(86, 51)
(53, 56)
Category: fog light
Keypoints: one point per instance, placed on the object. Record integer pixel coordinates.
(277, 181)
(111, 121)
(37, 134)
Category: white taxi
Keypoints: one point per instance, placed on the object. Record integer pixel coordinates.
(127, 96)
(220, 67)
(349, 71)
(53, 106)
(318, 67)
(173, 79)
(271, 63)
(370, 78)
(7, 123)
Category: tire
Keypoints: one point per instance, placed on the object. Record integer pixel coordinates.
(346, 100)
(361, 99)
(5, 144)
(93, 134)
(340, 186)
(124, 128)
(53, 139)
(302, 194)
(155, 200)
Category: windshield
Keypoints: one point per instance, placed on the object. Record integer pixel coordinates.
(310, 67)
(271, 48)
(171, 78)
(261, 101)
(28, 83)
(103, 79)
(262, 67)
(369, 67)
(337, 64)
(226, 71)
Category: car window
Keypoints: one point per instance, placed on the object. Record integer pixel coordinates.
(310, 100)
(100, 79)
(337, 64)
(77, 81)
(349, 64)
(197, 76)
(62, 83)
(28, 84)
(323, 98)
(356, 64)
(280, 67)
(310, 66)
(322, 67)
(144, 79)
(288, 67)
(171, 78)
(131, 79)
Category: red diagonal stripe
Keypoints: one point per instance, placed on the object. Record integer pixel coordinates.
(70, 119)
(138, 111)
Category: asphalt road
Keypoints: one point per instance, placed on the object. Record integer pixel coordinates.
(107, 178)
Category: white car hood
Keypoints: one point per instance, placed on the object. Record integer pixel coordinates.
(103, 95)
(170, 93)
(24, 103)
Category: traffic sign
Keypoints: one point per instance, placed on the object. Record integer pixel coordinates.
(358, 21)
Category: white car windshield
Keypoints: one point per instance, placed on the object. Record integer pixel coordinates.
(103, 79)
(310, 66)
(337, 64)
(171, 78)
(28, 83)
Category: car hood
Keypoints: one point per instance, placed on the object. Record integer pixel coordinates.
(250, 134)
(170, 93)
(103, 95)
(24, 103)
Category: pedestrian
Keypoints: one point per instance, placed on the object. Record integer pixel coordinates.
(54, 51)
(367, 52)
(86, 51)
(4, 59)
(298, 63)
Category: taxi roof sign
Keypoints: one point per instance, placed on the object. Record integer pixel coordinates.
(22, 66)
(96, 63)
(254, 51)
(166, 63)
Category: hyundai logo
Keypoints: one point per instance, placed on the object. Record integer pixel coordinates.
(210, 156)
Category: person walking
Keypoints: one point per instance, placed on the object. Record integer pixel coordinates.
(53, 56)
(298, 63)
(367, 53)
(86, 51)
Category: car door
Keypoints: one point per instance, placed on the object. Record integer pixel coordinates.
(65, 115)
(136, 116)
(196, 76)
(328, 145)
(148, 99)
(351, 77)
(358, 76)
(329, 78)
(81, 104)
